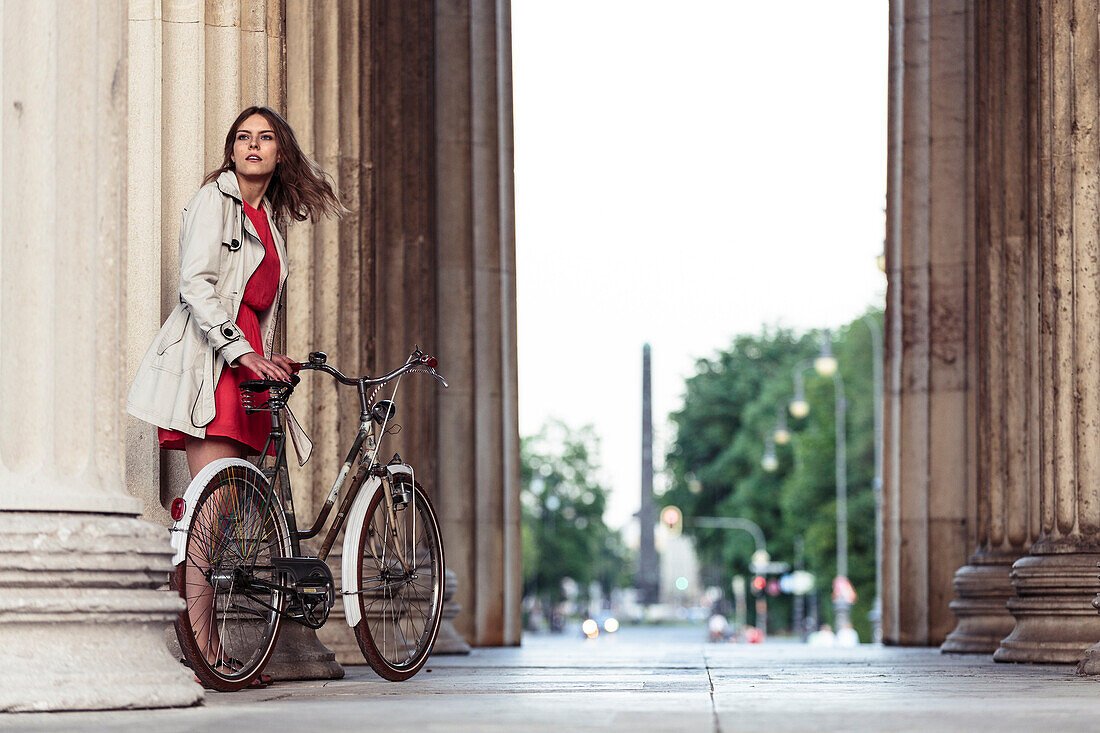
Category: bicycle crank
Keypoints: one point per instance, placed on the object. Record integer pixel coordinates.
(313, 591)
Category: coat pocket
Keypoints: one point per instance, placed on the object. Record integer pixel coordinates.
(173, 330)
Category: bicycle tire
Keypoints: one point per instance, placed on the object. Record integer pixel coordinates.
(231, 538)
(400, 614)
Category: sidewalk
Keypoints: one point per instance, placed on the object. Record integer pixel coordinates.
(645, 679)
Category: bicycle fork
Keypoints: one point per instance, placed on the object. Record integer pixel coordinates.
(391, 515)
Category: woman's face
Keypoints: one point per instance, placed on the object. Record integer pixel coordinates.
(255, 150)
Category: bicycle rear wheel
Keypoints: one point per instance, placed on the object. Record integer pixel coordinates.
(231, 621)
(400, 566)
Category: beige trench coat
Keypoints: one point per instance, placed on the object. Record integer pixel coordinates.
(219, 251)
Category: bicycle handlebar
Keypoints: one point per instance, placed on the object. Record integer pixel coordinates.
(418, 362)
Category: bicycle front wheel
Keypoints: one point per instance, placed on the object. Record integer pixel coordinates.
(228, 579)
(400, 566)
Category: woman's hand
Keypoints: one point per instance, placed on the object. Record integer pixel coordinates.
(266, 368)
(287, 364)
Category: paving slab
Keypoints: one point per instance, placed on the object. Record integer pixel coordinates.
(644, 679)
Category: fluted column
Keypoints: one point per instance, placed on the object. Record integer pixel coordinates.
(1007, 404)
(329, 291)
(79, 609)
(405, 253)
(478, 428)
(928, 415)
(194, 64)
(510, 442)
(1057, 580)
(326, 287)
(402, 230)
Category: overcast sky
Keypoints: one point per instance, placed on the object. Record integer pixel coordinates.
(686, 171)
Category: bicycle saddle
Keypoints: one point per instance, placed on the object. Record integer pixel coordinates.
(262, 385)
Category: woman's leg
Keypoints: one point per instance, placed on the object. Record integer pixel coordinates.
(200, 606)
(201, 451)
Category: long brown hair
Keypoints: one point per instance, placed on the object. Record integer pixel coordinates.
(299, 189)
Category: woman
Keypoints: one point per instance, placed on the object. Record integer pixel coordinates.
(232, 270)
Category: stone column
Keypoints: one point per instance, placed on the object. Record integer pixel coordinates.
(1007, 405)
(478, 438)
(510, 440)
(194, 66)
(891, 342)
(328, 294)
(79, 609)
(1057, 580)
(409, 106)
(406, 286)
(928, 496)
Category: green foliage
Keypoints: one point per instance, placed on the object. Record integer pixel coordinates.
(714, 464)
(564, 534)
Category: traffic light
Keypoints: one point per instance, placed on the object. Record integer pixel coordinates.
(673, 518)
(759, 583)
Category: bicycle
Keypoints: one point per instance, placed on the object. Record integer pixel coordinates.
(239, 561)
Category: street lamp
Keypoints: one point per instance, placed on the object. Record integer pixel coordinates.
(781, 434)
(769, 462)
(761, 561)
(826, 364)
(799, 407)
(695, 486)
(876, 370)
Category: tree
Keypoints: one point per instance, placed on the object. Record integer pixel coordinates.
(714, 463)
(564, 534)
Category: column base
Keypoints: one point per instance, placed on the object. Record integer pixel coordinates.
(300, 655)
(336, 634)
(81, 620)
(1090, 664)
(341, 637)
(1055, 620)
(449, 641)
(981, 594)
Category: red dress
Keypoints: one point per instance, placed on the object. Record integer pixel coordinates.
(229, 418)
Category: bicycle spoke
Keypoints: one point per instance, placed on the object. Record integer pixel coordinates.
(400, 613)
(232, 539)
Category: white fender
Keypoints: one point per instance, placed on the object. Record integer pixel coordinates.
(191, 497)
(352, 533)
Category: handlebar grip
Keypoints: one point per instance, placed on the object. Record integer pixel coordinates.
(295, 367)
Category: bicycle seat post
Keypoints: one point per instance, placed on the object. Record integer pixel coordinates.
(277, 395)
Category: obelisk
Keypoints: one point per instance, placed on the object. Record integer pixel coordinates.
(648, 568)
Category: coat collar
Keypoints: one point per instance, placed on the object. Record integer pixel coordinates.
(227, 184)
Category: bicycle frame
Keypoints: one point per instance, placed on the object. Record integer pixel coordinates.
(368, 466)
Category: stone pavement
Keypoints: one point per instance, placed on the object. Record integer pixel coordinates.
(645, 679)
